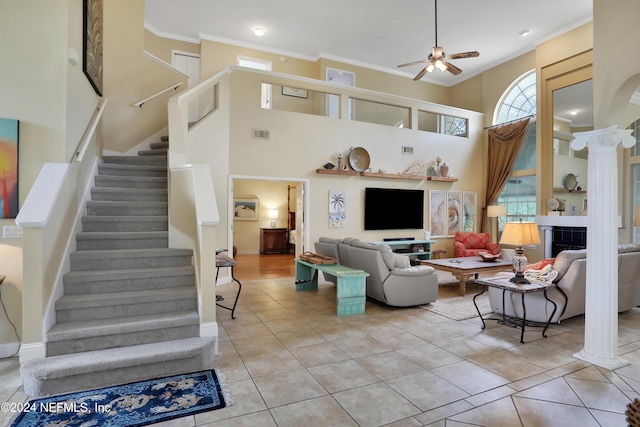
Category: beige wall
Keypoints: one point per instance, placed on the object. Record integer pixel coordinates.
(53, 101)
(162, 47)
(130, 77)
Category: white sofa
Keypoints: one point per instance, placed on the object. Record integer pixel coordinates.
(571, 266)
(391, 279)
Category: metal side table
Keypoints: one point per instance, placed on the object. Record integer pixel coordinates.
(225, 261)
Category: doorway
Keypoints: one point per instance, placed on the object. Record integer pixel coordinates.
(342, 78)
(281, 206)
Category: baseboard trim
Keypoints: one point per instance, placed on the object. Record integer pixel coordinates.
(8, 349)
(210, 329)
(32, 351)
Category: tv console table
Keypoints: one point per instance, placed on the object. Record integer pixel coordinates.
(410, 248)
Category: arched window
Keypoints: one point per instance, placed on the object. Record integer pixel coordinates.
(519, 193)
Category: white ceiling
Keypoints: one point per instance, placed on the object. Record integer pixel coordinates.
(378, 34)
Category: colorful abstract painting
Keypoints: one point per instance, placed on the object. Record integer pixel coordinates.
(9, 168)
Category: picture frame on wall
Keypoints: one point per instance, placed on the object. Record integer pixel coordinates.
(9, 130)
(337, 209)
(455, 215)
(92, 43)
(470, 209)
(438, 213)
(294, 91)
(246, 209)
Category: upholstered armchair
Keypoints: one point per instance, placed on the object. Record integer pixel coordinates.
(470, 244)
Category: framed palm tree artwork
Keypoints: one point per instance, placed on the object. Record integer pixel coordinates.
(337, 209)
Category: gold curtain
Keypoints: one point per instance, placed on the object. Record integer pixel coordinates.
(505, 144)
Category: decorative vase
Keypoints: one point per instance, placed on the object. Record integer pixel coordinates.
(444, 170)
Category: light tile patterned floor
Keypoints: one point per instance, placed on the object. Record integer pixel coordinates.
(290, 361)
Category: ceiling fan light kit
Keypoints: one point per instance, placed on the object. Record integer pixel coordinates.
(437, 58)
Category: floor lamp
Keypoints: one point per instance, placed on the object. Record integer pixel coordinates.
(636, 219)
(494, 211)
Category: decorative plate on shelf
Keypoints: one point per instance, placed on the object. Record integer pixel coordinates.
(570, 182)
(553, 204)
(359, 159)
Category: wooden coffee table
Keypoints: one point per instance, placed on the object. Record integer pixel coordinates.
(465, 268)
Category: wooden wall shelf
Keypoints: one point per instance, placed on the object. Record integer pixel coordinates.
(384, 175)
(564, 190)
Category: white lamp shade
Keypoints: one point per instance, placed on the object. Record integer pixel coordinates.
(494, 211)
(520, 234)
(273, 213)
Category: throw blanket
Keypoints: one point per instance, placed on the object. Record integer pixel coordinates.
(547, 274)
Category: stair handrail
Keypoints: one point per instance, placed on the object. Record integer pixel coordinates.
(90, 131)
(164, 64)
(157, 94)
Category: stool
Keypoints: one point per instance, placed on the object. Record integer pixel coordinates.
(438, 253)
(225, 261)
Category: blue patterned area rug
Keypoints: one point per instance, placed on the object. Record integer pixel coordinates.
(135, 404)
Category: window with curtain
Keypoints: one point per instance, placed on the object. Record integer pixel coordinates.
(519, 193)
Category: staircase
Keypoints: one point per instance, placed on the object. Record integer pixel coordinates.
(129, 310)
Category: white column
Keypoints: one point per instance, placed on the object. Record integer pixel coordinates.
(601, 304)
(548, 240)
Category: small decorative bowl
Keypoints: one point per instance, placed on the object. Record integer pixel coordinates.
(487, 257)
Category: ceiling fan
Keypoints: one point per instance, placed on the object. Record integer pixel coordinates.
(437, 58)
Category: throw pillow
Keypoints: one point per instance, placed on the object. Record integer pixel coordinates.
(401, 261)
(540, 264)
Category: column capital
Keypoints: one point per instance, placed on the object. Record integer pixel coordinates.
(604, 138)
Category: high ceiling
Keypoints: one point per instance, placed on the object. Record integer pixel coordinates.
(378, 34)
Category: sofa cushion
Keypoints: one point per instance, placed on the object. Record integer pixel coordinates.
(329, 240)
(564, 260)
(385, 251)
(629, 247)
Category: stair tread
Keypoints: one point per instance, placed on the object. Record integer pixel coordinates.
(129, 253)
(95, 275)
(67, 302)
(113, 235)
(125, 218)
(128, 190)
(95, 328)
(128, 166)
(113, 358)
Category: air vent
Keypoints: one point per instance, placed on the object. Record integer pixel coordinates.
(407, 150)
(260, 134)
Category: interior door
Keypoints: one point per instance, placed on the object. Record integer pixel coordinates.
(300, 225)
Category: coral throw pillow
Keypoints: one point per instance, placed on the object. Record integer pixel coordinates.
(540, 264)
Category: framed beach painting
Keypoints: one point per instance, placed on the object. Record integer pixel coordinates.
(337, 209)
(469, 202)
(438, 213)
(454, 212)
(245, 209)
(9, 168)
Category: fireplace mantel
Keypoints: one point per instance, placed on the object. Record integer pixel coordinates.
(547, 222)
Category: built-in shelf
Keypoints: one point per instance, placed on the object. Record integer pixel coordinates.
(336, 172)
(385, 175)
(564, 190)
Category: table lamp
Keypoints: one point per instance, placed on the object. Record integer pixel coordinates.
(520, 234)
(273, 216)
(494, 211)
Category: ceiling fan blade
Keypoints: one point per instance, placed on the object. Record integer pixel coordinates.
(452, 68)
(464, 55)
(420, 74)
(412, 63)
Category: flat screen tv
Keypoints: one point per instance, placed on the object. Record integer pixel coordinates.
(393, 209)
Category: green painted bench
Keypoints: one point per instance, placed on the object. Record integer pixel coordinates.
(351, 286)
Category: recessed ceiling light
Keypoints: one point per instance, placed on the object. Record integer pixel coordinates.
(524, 33)
(258, 31)
(573, 113)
